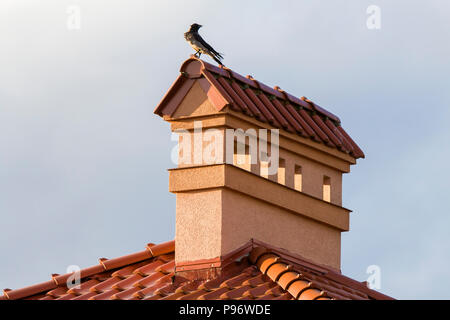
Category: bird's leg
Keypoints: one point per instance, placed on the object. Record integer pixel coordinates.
(197, 54)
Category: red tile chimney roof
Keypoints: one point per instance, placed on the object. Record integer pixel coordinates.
(271, 105)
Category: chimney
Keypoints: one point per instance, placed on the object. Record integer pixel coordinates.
(253, 163)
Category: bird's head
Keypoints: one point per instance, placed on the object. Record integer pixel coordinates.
(195, 27)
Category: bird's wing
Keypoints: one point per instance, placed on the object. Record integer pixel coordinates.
(206, 45)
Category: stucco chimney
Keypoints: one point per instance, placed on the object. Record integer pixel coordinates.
(222, 203)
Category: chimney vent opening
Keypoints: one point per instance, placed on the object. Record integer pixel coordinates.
(298, 178)
(281, 175)
(326, 189)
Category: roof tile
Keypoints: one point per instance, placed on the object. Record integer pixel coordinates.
(214, 294)
(261, 274)
(276, 270)
(309, 294)
(256, 280)
(267, 262)
(148, 268)
(125, 294)
(261, 290)
(105, 285)
(297, 287)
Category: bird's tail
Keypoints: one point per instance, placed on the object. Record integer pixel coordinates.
(217, 60)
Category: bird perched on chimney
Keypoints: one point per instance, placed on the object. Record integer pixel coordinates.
(200, 45)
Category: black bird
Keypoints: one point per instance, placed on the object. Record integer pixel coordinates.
(200, 45)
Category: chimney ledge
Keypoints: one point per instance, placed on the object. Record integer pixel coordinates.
(216, 176)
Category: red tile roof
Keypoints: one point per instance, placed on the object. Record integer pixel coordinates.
(255, 99)
(254, 272)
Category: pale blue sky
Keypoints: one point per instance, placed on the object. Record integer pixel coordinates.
(83, 159)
